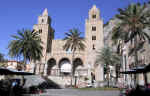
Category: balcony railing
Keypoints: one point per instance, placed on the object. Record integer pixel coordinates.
(60, 72)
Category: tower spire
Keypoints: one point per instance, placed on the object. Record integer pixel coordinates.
(45, 12)
(94, 8)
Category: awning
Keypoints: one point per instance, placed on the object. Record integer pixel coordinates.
(128, 72)
(137, 70)
(6, 71)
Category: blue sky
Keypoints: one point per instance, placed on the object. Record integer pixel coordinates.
(65, 14)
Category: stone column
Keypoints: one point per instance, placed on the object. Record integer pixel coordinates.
(45, 69)
(99, 73)
(89, 72)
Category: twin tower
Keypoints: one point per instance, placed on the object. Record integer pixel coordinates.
(56, 61)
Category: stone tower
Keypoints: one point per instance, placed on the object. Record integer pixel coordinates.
(94, 40)
(46, 33)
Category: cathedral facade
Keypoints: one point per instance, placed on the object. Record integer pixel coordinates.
(56, 62)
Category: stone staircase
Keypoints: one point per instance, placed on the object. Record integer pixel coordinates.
(60, 80)
(33, 80)
(43, 82)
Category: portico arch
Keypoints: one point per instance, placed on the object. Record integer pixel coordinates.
(65, 66)
(50, 64)
(77, 63)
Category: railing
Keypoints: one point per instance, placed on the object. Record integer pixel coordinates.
(60, 72)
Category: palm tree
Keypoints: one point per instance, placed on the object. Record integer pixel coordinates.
(133, 21)
(1, 57)
(26, 44)
(107, 57)
(73, 42)
(2, 60)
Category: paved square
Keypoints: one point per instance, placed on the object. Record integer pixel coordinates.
(76, 92)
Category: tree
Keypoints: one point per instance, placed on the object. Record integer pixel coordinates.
(107, 57)
(73, 42)
(1, 57)
(26, 44)
(2, 60)
(134, 19)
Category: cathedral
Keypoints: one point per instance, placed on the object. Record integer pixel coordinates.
(56, 62)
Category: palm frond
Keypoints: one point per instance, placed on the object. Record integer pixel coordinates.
(27, 44)
(73, 40)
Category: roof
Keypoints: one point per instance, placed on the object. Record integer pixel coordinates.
(45, 12)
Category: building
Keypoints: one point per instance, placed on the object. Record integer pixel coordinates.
(56, 62)
(12, 64)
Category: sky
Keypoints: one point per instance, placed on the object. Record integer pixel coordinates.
(65, 15)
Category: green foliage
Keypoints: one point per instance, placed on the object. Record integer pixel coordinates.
(2, 57)
(2, 60)
(107, 56)
(134, 19)
(27, 44)
(73, 40)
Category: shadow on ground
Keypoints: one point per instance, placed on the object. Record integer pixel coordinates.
(48, 84)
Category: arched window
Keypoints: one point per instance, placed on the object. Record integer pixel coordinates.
(93, 28)
(40, 31)
(42, 20)
(93, 47)
(93, 37)
(93, 16)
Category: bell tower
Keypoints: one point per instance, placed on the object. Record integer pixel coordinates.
(44, 18)
(46, 33)
(94, 29)
(94, 41)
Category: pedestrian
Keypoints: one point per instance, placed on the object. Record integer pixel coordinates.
(14, 83)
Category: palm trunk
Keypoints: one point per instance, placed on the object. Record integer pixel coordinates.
(135, 58)
(40, 68)
(72, 73)
(135, 52)
(24, 63)
(35, 68)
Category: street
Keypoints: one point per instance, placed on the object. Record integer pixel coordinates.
(77, 92)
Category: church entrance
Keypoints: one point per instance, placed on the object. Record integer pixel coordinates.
(65, 67)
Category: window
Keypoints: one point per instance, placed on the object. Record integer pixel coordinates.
(93, 47)
(42, 20)
(40, 31)
(94, 16)
(93, 28)
(93, 37)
